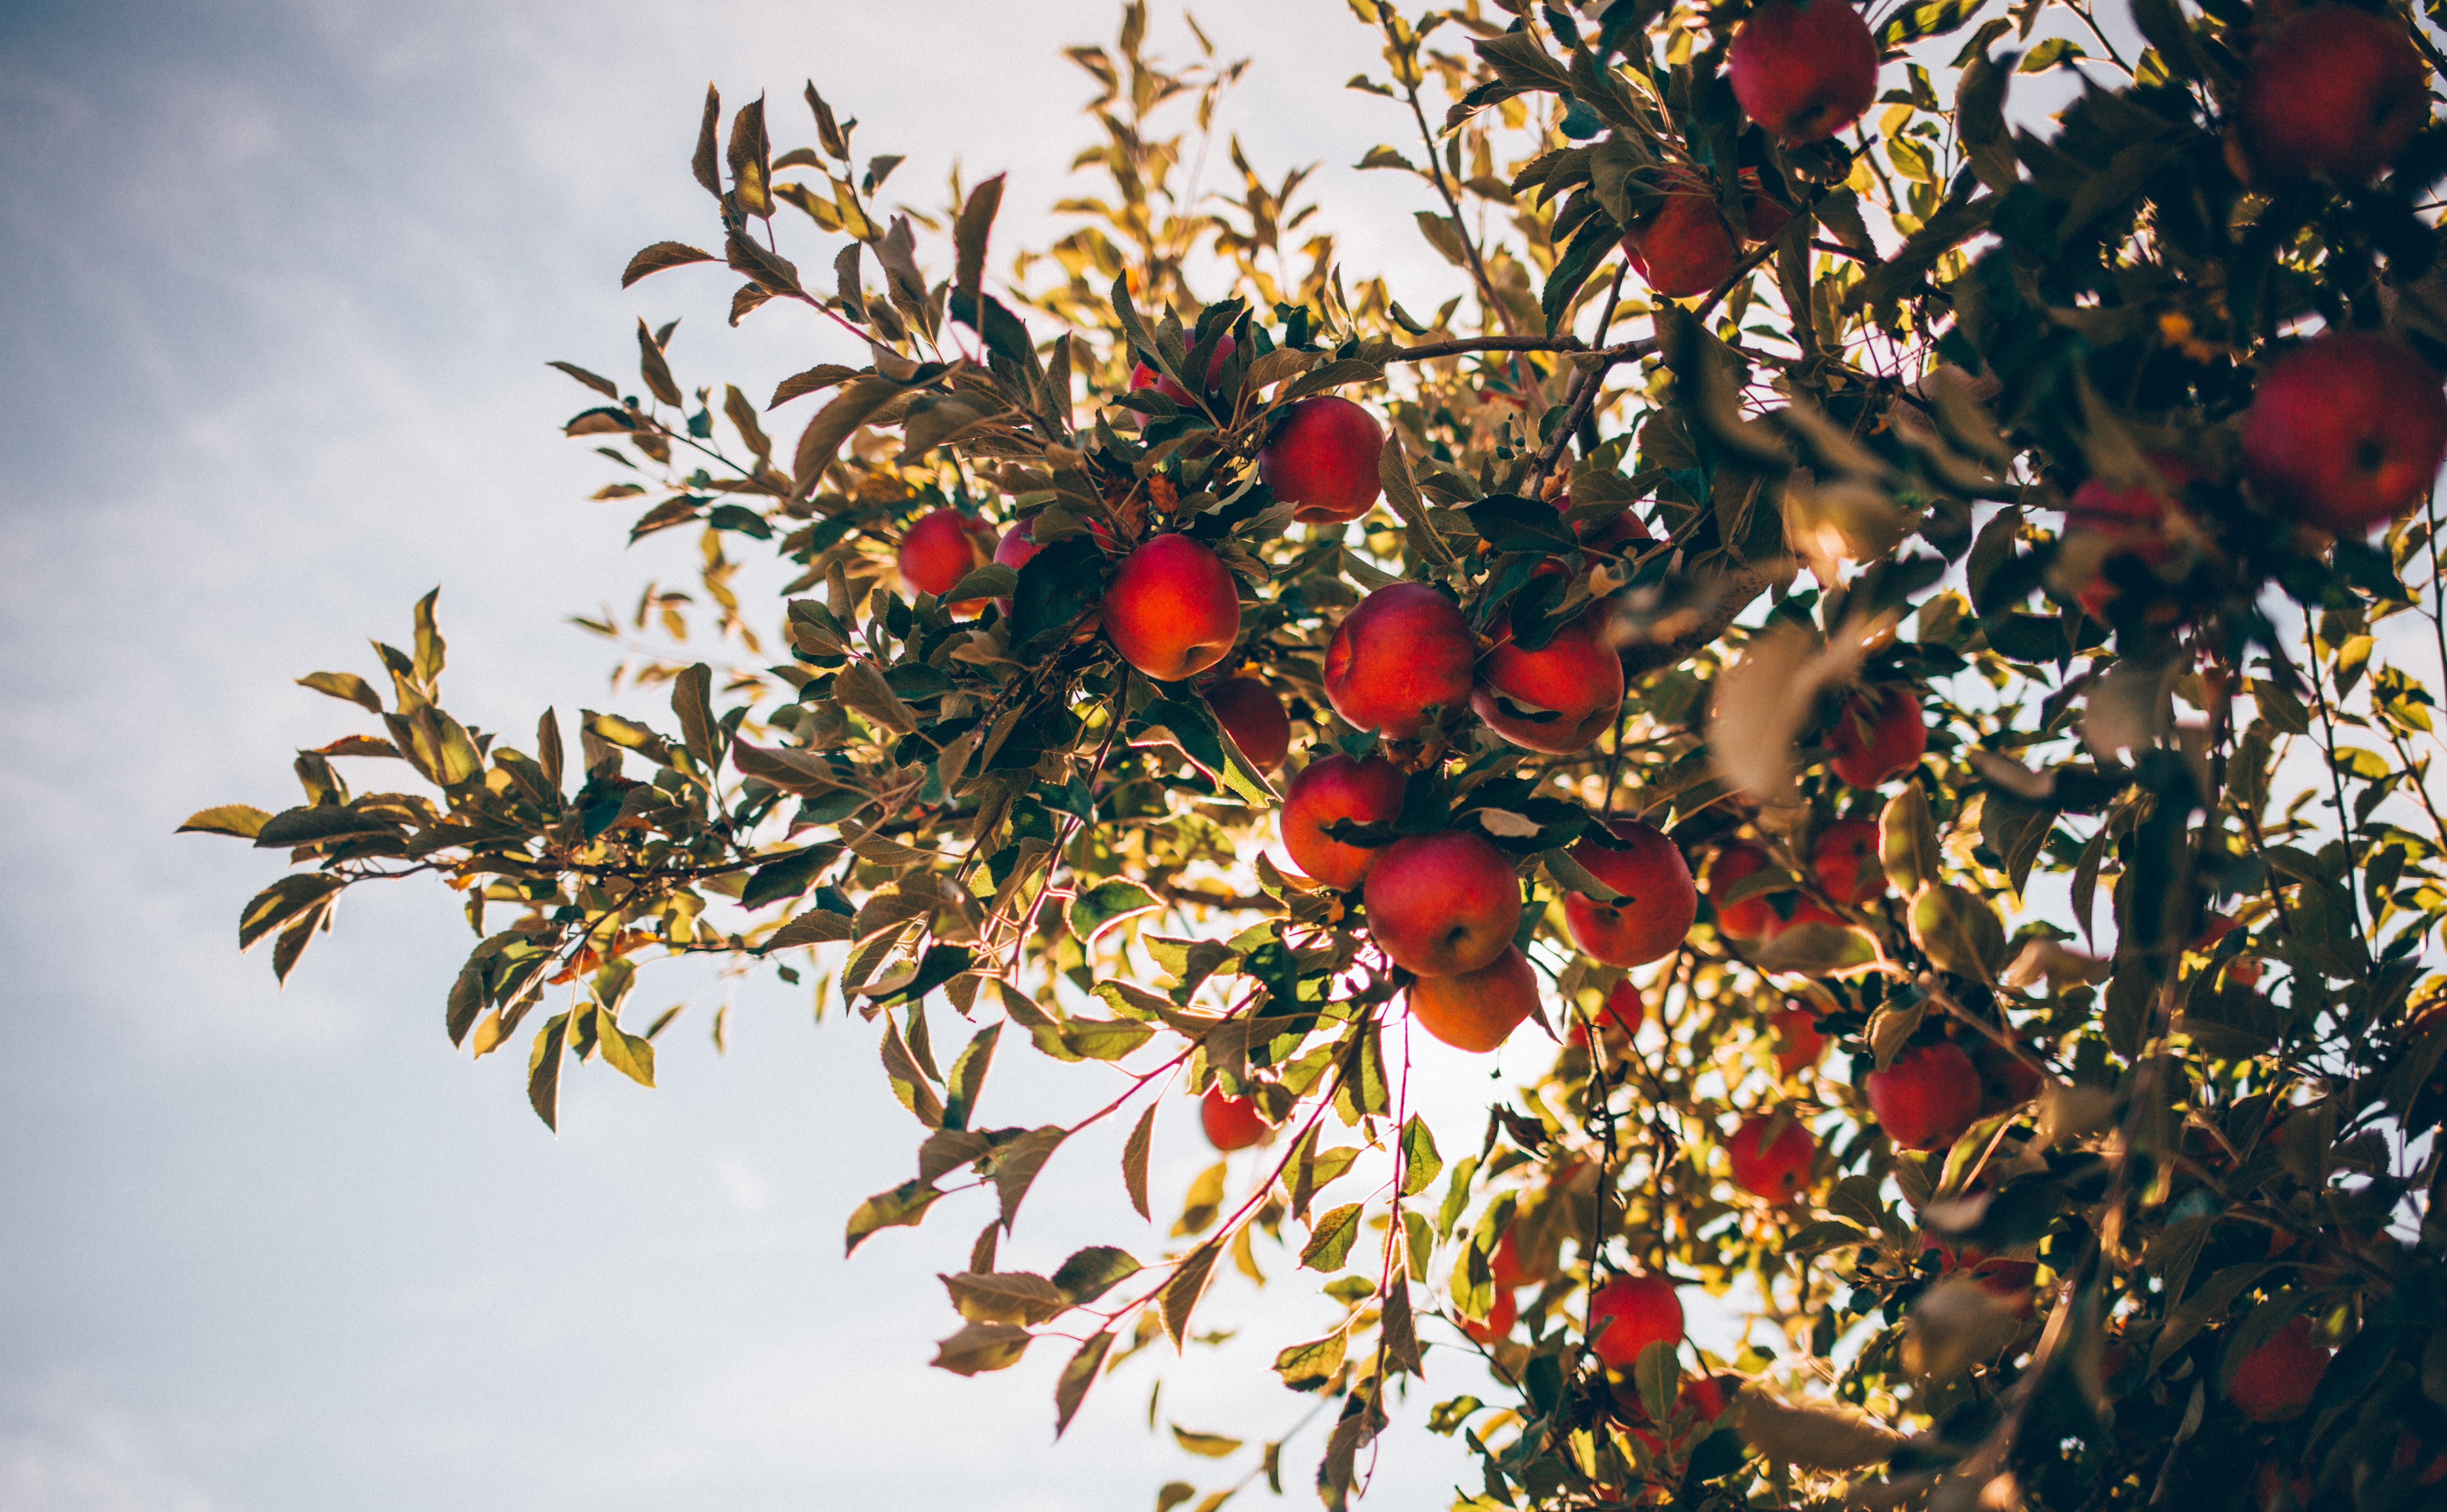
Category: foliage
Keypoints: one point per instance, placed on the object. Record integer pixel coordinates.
(2201, 1118)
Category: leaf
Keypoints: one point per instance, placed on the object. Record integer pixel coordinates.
(818, 444)
(1307, 1366)
(815, 380)
(595, 381)
(1421, 1162)
(281, 903)
(1092, 913)
(1057, 586)
(241, 819)
(969, 235)
(627, 1054)
(1330, 1238)
(981, 1347)
(1134, 1161)
(1004, 1296)
(1510, 523)
(1820, 1438)
(1587, 249)
(704, 163)
(652, 259)
(654, 369)
(1017, 1163)
(543, 1071)
(1077, 1376)
(345, 685)
(1189, 1283)
(787, 877)
(901, 1207)
(1090, 1272)
(1211, 1445)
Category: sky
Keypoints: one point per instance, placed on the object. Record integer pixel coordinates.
(280, 281)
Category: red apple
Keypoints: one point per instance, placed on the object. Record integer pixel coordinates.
(1143, 376)
(2335, 90)
(1701, 1402)
(1365, 792)
(1798, 1038)
(1498, 1322)
(1173, 609)
(1477, 1010)
(2277, 1380)
(1685, 248)
(1845, 862)
(1881, 734)
(1804, 71)
(1323, 458)
(1748, 918)
(1620, 1018)
(942, 548)
(1629, 1313)
(2345, 431)
(1659, 902)
(1404, 650)
(1253, 717)
(1231, 1123)
(1771, 1162)
(1442, 904)
(2009, 1281)
(1926, 1098)
(2133, 520)
(2006, 1081)
(1613, 534)
(1763, 219)
(1577, 676)
(1018, 543)
(1805, 910)
(1509, 1272)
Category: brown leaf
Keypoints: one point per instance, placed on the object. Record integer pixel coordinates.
(1763, 700)
(1187, 1285)
(1004, 1296)
(981, 1347)
(1076, 1377)
(1818, 1438)
(655, 258)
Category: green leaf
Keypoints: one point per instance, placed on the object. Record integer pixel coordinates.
(1307, 1366)
(968, 1078)
(901, 1207)
(1330, 1238)
(241, 819)
(627, 1054)
(1090, 1272)
(1093, 912)
(787, 877)
(1587, 250)
(283, 901)
(1057, 586)
(1420, 1160)
(1510, 523)
(543, 1071)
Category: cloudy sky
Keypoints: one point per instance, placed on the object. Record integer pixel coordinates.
(281, 281)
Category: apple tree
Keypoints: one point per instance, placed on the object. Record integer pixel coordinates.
(1901, 644)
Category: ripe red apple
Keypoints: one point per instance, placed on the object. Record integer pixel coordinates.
(1477, 1010)
(1926, 1098)
(1774, 1168)
(1442, 904)
(1365, 792)
(1323, 458)
(2276, 1381)
(2133, 520)
(1621, 1017)
(1018, 543)
(1498, 1322)
(1143, 376)
(1509, 1270)
(1881, 734)
(2006, 1081)
(1804, 71)
(1631, 1313)
(1798, 1038)
(942, 548)
(2335, 90)
(1685, 248)
(1659, 902)
(1231, 1123)
(1763, 219)
(1253, 717)
(1614, 532)
(1845, 862)
(1404, 650)
(1173, 609)
(1748, 918)
(2345, 431)
(1577, 676)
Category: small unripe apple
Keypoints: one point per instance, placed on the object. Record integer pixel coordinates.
(1173, 609)
(1577, 676)
(1771, 1162)
(1926, 1098)
(1231, 1123)
(1331, 787)
(2345, 431)
(1254, 718)
(1143, 376)
(1498, 1322)
(1845, 862)
(1620, 1019)
(1323, 458)
(1798, 1038)
(1442, 904)
(1748, 918)
(1685, 248)
(1477, 1010)
(1804, 71)
(2334, 90)
(942, 548)
(1882, 733)
(1658, 901)
(1404, 650)
(2277, 1380)
(1629, 1313)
